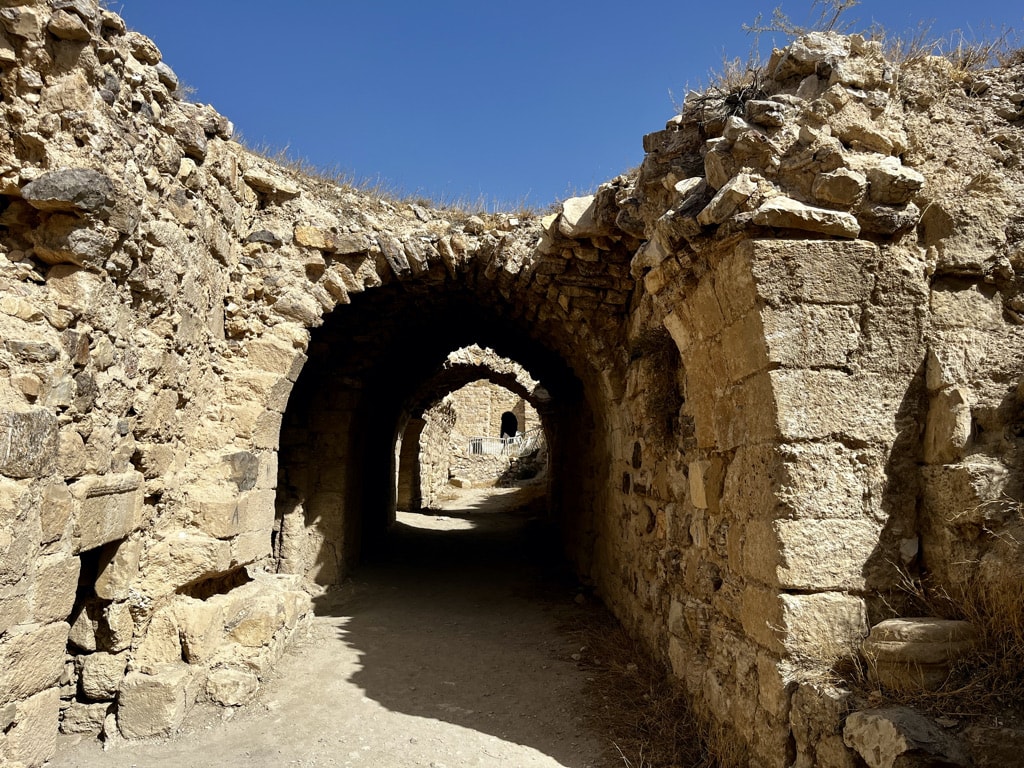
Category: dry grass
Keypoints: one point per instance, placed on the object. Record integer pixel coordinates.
(648, 719)
(990, 680)
(383, 189)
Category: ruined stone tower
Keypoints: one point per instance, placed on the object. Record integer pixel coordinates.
(782, 368)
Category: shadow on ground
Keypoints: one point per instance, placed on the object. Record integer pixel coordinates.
(458, 621)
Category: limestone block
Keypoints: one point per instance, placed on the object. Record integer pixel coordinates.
(744, 347)
(232, 686)
(829, 480)
(887, 220)
(785, 213)
(728, 199)
(20, 532)
(215, 510)
(101, 673)
(120, 627)
(578, 218)
(69, 189)
(270, 183)
(719, 165)
(841, 187)
(153, 704)
(250, 547)
(85, 626)
(72, 458)
(815, 271)
(201, 626)
(28, 442)
(820, 404)
(31, 660)
(816, 717)
(734, 286)
(108, 508)
(85, 718)
(22, 22)
(53, 593)
(744, 414)
(181, 558)
(162, 643)
(119, 565)
(33, 738)
(897, 736)
(911, 654)
(811, 554)
(821, 627)
(892, 183)
(976, 307)
(255, 623)
(698, 493)
(810, 335)
(948, 426)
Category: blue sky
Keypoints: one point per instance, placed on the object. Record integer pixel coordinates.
(504, 103)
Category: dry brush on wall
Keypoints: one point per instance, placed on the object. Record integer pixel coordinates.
(784, 362)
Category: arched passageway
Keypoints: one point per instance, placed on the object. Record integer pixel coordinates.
(373, 367)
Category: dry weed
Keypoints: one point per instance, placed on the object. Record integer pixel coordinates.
(645, 713)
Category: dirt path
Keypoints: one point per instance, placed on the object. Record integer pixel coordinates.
(446, 654)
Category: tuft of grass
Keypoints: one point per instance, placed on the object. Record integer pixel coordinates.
(633, 699)
(388, 191)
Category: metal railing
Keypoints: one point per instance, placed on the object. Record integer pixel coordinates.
(523, 444)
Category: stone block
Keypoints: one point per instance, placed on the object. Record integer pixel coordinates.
(201, 626)
(811, 336)
(31, 660)
(100, 675)
(250, 547)
(892, 736)
(28, 442)
(976, 307)
(743, 413)
(162, 643)
(232, 686)
(53, 593)
(744, 348)
(821, 627)
(119, 566)
(32, 740)
(829, 481)
(85, 718)
(915, 654)
(181, 558)
(120, 626)
(841, 187)
(153, 704)
(578, 219)
(108, 508)
(704, 310)
(785, 213)
(814, 405)
(892, 183)
(948, 426)
(816, 555)
(55, 507)
(813, 271)
(275, 354)
(728, 199)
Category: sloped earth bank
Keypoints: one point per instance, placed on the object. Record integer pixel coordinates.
(451, 651)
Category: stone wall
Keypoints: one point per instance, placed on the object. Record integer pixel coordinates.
(781, 372)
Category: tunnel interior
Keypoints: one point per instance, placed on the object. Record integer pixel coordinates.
(373, 367)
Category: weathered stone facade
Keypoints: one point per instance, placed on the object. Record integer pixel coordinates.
(783, 364)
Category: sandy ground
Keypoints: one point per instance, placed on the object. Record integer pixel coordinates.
(449, 652)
